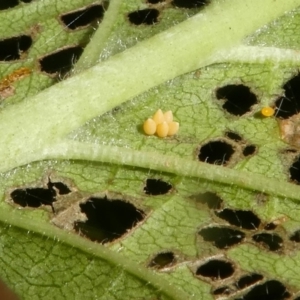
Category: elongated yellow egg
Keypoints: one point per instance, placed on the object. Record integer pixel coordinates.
(267, 111)
(168, 116)
(158, 117)
(173, 128)
(149, 127)
(162, 129)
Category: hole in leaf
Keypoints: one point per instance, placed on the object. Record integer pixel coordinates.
(216, 152)
(224, 290)
(248, 280)
(155, 1)
(212, 200)
(233, 136)
(249, 150)
(62, 61)
(222, 237)
(190, 3)
(13, 48)
(157, 187)
(216, 269)
(162, 260)
(241, 218)
(295, 171)
(5, 4)
(271, 241)
(33, 197)
(270, 290)
(83, 17)
(289, 104)
(107, 219)
(295, 236)
(61, 187)
(238, 98)
(145, 16)
(270, 226)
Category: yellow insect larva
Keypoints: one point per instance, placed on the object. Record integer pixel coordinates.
(162, 129)
(158, 117)
(149, 127)
(267, 111)
(173, 128)
(168, 116)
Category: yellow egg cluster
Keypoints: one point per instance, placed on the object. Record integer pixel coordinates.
(162, 124)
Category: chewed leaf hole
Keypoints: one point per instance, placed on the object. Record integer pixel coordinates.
(295, 236)
(61, 61)
(33, 197)
(157, 187)
(190, 3)
(237, 99)
(271, 241)
(242, 218)
(270, 226)
(62, 188)
(155, 1)
(13, 48)
(212, 200)
(224, 290)
(216, 269)
(249, 150)
(107, 219)
(233, 136)
(270, 290)
(82, 17)
(289, 104)
(248, 280)
(295, 171)
(161, 260)
(147, 16)
(216, 152)
(222, 237)
(5, 4)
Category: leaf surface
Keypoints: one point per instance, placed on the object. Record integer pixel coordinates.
(81, 141)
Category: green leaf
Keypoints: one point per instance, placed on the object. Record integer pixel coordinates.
(79, 143)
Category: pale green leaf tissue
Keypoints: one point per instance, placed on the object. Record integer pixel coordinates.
(86, 131)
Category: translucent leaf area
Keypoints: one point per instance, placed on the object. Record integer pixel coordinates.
(94, 208)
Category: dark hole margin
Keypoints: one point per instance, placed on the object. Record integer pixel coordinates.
(162, 260)
(190, 3)
(211, 199)
(60, 62)
(236, 99)
(288, 104)
(245, 219)
(155, 187)
(4, 5)
(108, 219)
(270, 241)
(248, 280)
(13, 48)
(269, 290)
(233, 136)
(217, 152)
(249, 150)
(148, 16)
(83, 17)
(222, 237)
(215, 269)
